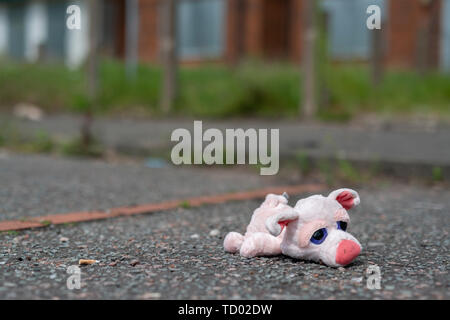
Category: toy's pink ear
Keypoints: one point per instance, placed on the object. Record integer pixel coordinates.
(275, 224)
(348, 198)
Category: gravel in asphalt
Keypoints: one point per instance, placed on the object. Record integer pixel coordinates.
(178, 254)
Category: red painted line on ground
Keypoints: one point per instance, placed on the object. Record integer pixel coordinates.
(72, 217)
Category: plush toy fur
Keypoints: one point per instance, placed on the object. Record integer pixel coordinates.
(277, 228)
(257, 241)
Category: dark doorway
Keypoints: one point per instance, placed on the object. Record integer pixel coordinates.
(276, 28)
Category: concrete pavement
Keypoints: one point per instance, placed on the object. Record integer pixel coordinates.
(395, 147)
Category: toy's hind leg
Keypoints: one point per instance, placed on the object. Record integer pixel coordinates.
(233, 242)
(260, 244)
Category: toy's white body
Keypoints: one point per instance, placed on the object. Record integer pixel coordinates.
(313, 230)
(257, 241)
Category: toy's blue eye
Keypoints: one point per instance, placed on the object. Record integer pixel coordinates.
(319, 236)
(342, 225)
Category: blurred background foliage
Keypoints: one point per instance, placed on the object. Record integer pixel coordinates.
(252, 89)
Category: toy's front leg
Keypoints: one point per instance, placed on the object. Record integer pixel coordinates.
(260, 244)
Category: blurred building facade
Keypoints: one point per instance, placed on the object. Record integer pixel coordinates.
(415, 31)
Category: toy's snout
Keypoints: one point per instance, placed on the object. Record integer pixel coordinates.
(347, 251)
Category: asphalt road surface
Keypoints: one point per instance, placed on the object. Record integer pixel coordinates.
(33, 185)
(178, 254)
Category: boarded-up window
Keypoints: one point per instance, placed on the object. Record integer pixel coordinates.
(200, 28)
(348, 36)
(56, 40)
(16, 36)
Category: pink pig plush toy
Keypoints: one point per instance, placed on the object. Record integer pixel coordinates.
(315, 229)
